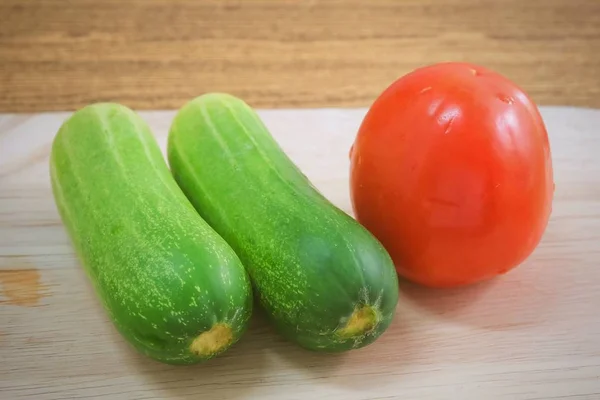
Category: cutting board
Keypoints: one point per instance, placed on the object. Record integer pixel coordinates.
(533, 333)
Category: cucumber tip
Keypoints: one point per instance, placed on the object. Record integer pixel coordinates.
(213, 341)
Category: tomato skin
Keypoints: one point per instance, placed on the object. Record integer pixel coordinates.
(451, 170)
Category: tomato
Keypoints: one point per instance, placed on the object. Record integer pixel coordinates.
(451, 170)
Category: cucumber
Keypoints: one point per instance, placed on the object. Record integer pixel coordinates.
(323, 279)
(172, 286)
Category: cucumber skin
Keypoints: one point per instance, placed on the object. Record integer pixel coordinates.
(163, 275)
(310, 263)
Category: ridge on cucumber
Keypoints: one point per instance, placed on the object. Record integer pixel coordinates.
(171, 285)
(324, 281)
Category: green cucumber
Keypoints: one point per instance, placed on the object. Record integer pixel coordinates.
(323, 279)
(172, 286)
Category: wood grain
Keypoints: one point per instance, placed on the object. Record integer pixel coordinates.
(151, 54)
(533, 334)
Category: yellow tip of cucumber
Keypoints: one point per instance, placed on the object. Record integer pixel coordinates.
(213, 341)
(363, 319)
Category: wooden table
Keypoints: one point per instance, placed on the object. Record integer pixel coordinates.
(533, 334)
(60, 55)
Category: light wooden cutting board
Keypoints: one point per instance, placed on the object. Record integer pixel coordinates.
(531, 334)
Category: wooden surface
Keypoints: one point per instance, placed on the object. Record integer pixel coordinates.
(61, 55)
(533, 334)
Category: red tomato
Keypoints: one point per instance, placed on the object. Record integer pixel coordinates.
(451, 171)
